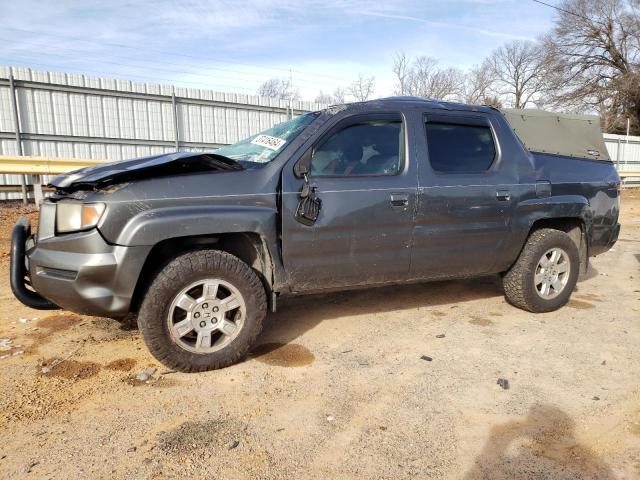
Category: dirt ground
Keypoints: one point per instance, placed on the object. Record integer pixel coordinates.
(396, 382)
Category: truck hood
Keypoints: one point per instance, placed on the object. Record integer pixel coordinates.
(177, 163)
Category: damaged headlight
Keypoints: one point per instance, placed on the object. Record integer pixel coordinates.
(72, 217)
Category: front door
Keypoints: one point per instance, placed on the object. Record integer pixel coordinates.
(363, 175)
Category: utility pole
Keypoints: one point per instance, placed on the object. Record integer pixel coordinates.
(174, 109)
(626, 142)
(16, 128)
(290, 93)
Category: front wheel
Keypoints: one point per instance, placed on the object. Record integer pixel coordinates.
(545, 274)
(203, 311)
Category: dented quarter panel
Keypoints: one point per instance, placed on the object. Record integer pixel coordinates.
(591, 185)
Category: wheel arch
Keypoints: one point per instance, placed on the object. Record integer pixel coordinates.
(574, 227)
(250, 247)
(567, 213)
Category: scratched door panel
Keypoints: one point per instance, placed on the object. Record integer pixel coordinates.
(463, 217)
(360, 235)
(366, 178)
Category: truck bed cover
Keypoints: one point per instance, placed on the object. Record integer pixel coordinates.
(569, 135)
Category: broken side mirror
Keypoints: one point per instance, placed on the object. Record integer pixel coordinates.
(309, 204)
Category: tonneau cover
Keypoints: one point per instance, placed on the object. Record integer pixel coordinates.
(558, 133)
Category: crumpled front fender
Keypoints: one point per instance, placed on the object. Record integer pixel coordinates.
(153, 226)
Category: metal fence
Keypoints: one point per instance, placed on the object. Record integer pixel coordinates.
(64, 115)
(75, 116)
(624, 151)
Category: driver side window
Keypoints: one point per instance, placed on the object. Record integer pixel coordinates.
(367, 148)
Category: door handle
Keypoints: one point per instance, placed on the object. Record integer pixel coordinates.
(399, 199)
(503, 195)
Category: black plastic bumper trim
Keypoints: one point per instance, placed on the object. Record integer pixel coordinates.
(17, 270)
(614, 236)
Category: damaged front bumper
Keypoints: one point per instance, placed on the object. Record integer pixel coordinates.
(79, 272)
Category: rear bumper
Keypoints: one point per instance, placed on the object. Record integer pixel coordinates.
(614, 236)
(79, 272)
(603, 238)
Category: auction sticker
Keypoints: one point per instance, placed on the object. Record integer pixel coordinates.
(274, 143)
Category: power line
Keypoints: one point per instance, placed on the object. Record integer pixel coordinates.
(151, 79)
(154, 78)
(164, 52)
(163, 68)
(72, 55)
(560, 9)
(140, 78)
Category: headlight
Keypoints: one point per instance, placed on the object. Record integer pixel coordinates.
(72, 217)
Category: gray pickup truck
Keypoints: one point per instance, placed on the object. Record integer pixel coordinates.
(200, 245)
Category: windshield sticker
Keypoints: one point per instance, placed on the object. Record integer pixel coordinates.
(273, 143)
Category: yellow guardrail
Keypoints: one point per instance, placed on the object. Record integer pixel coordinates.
(43, 165)
(55, 166)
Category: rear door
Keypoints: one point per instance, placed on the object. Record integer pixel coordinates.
(363, 175)
(465, 197)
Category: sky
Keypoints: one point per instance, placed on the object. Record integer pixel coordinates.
(233, 46)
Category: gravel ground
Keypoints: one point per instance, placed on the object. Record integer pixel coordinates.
(397, 382)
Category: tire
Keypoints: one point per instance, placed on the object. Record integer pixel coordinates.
(179, 309)
(520, 282)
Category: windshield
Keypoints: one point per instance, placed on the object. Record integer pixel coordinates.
(264, 146)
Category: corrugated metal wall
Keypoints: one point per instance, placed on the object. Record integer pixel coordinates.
(624, 151)
(65, 115)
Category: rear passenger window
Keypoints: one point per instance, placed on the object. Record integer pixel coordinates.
(455, 148)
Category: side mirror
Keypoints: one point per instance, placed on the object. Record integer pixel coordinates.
(309, 204)
(303, 166)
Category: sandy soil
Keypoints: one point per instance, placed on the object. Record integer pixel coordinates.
(388, 383)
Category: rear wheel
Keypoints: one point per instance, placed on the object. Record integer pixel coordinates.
(203, 311)
(546, 272)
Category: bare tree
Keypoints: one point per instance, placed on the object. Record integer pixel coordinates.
(425, 78)
(325, 98)
(478, 87)
(332, 99)
(590, 61)
(362, 88)
(401, 68)
(520, 73)
(339, 95)
(596, 45)
(279, 88)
